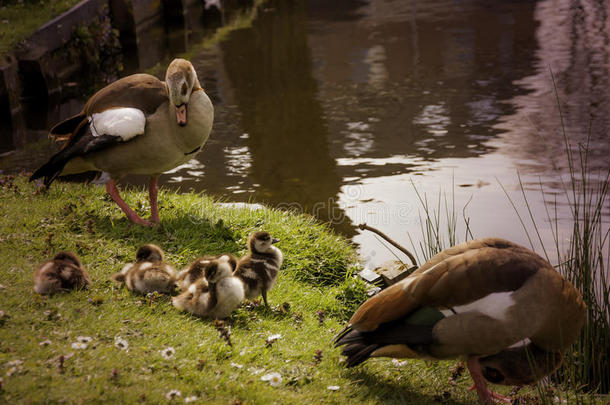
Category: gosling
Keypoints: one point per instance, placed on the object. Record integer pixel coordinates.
(63, 272)
(196, 270)
(149, 273)
(258, 270)
(214, 296)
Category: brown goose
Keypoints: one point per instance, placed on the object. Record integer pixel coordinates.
(63, 272)
(259, 269)
(149, 273)
(497, 304)
(136, 125)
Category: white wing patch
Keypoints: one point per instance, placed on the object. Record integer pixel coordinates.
(493, 305)
(125, 123)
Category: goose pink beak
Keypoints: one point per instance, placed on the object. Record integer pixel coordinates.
(181, 115)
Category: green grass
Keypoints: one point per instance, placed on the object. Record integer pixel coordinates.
(316, 277)
(18, 20)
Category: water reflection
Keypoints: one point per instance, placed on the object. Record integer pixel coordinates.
(573, 43)
(286, 151)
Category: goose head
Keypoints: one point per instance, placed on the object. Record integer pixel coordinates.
(261, 242)
(149, 253)
(181, 79)
(519, 365)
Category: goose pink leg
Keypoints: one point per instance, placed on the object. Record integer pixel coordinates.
(113, 192)
(153, 191)
(486, 396)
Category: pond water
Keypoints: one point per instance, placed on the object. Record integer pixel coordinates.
(351, 109)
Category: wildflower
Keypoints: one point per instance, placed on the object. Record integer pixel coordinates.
(173, 394)
(14, 370)
(79, 345)
(236, 365)
(45, 343)
(14, 363)
(333, 388)
(190, 399)
(168, 353)
(275, 379)
(399, 363)
(121, 343)
(83, 339)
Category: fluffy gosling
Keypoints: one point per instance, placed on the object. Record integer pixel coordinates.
(63, 272)
(149, 273)
(258, 270)
(196, 270)
(214, 296)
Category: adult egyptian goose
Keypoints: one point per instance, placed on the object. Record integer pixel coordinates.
(136, 125)
(63, 272)
(498, 304)
(258, 270)
(149, 273)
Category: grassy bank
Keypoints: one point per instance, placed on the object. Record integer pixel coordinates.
(19, 19)
(39, 332)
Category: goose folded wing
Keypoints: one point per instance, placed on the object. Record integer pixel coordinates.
(461, 275)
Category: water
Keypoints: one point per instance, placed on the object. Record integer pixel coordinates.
(348, 109)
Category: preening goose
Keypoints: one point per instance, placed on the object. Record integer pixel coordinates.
(498, 304)
(63, 272)
(196, 270)
(136, 125)
(217, 294)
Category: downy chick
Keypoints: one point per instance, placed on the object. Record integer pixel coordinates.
(63, 272)
(214, 296)
(258, 270)
(196, 270)
(149, 273)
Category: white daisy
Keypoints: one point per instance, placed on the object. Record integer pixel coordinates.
(14, 370)
(274, 337)
(173, 394)
(83, 339)
(79, 346)
(275, 379)
(236, 365)
(399, 363)
(333, 388)
(190, 399)
(121, 343)
(168, 353)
